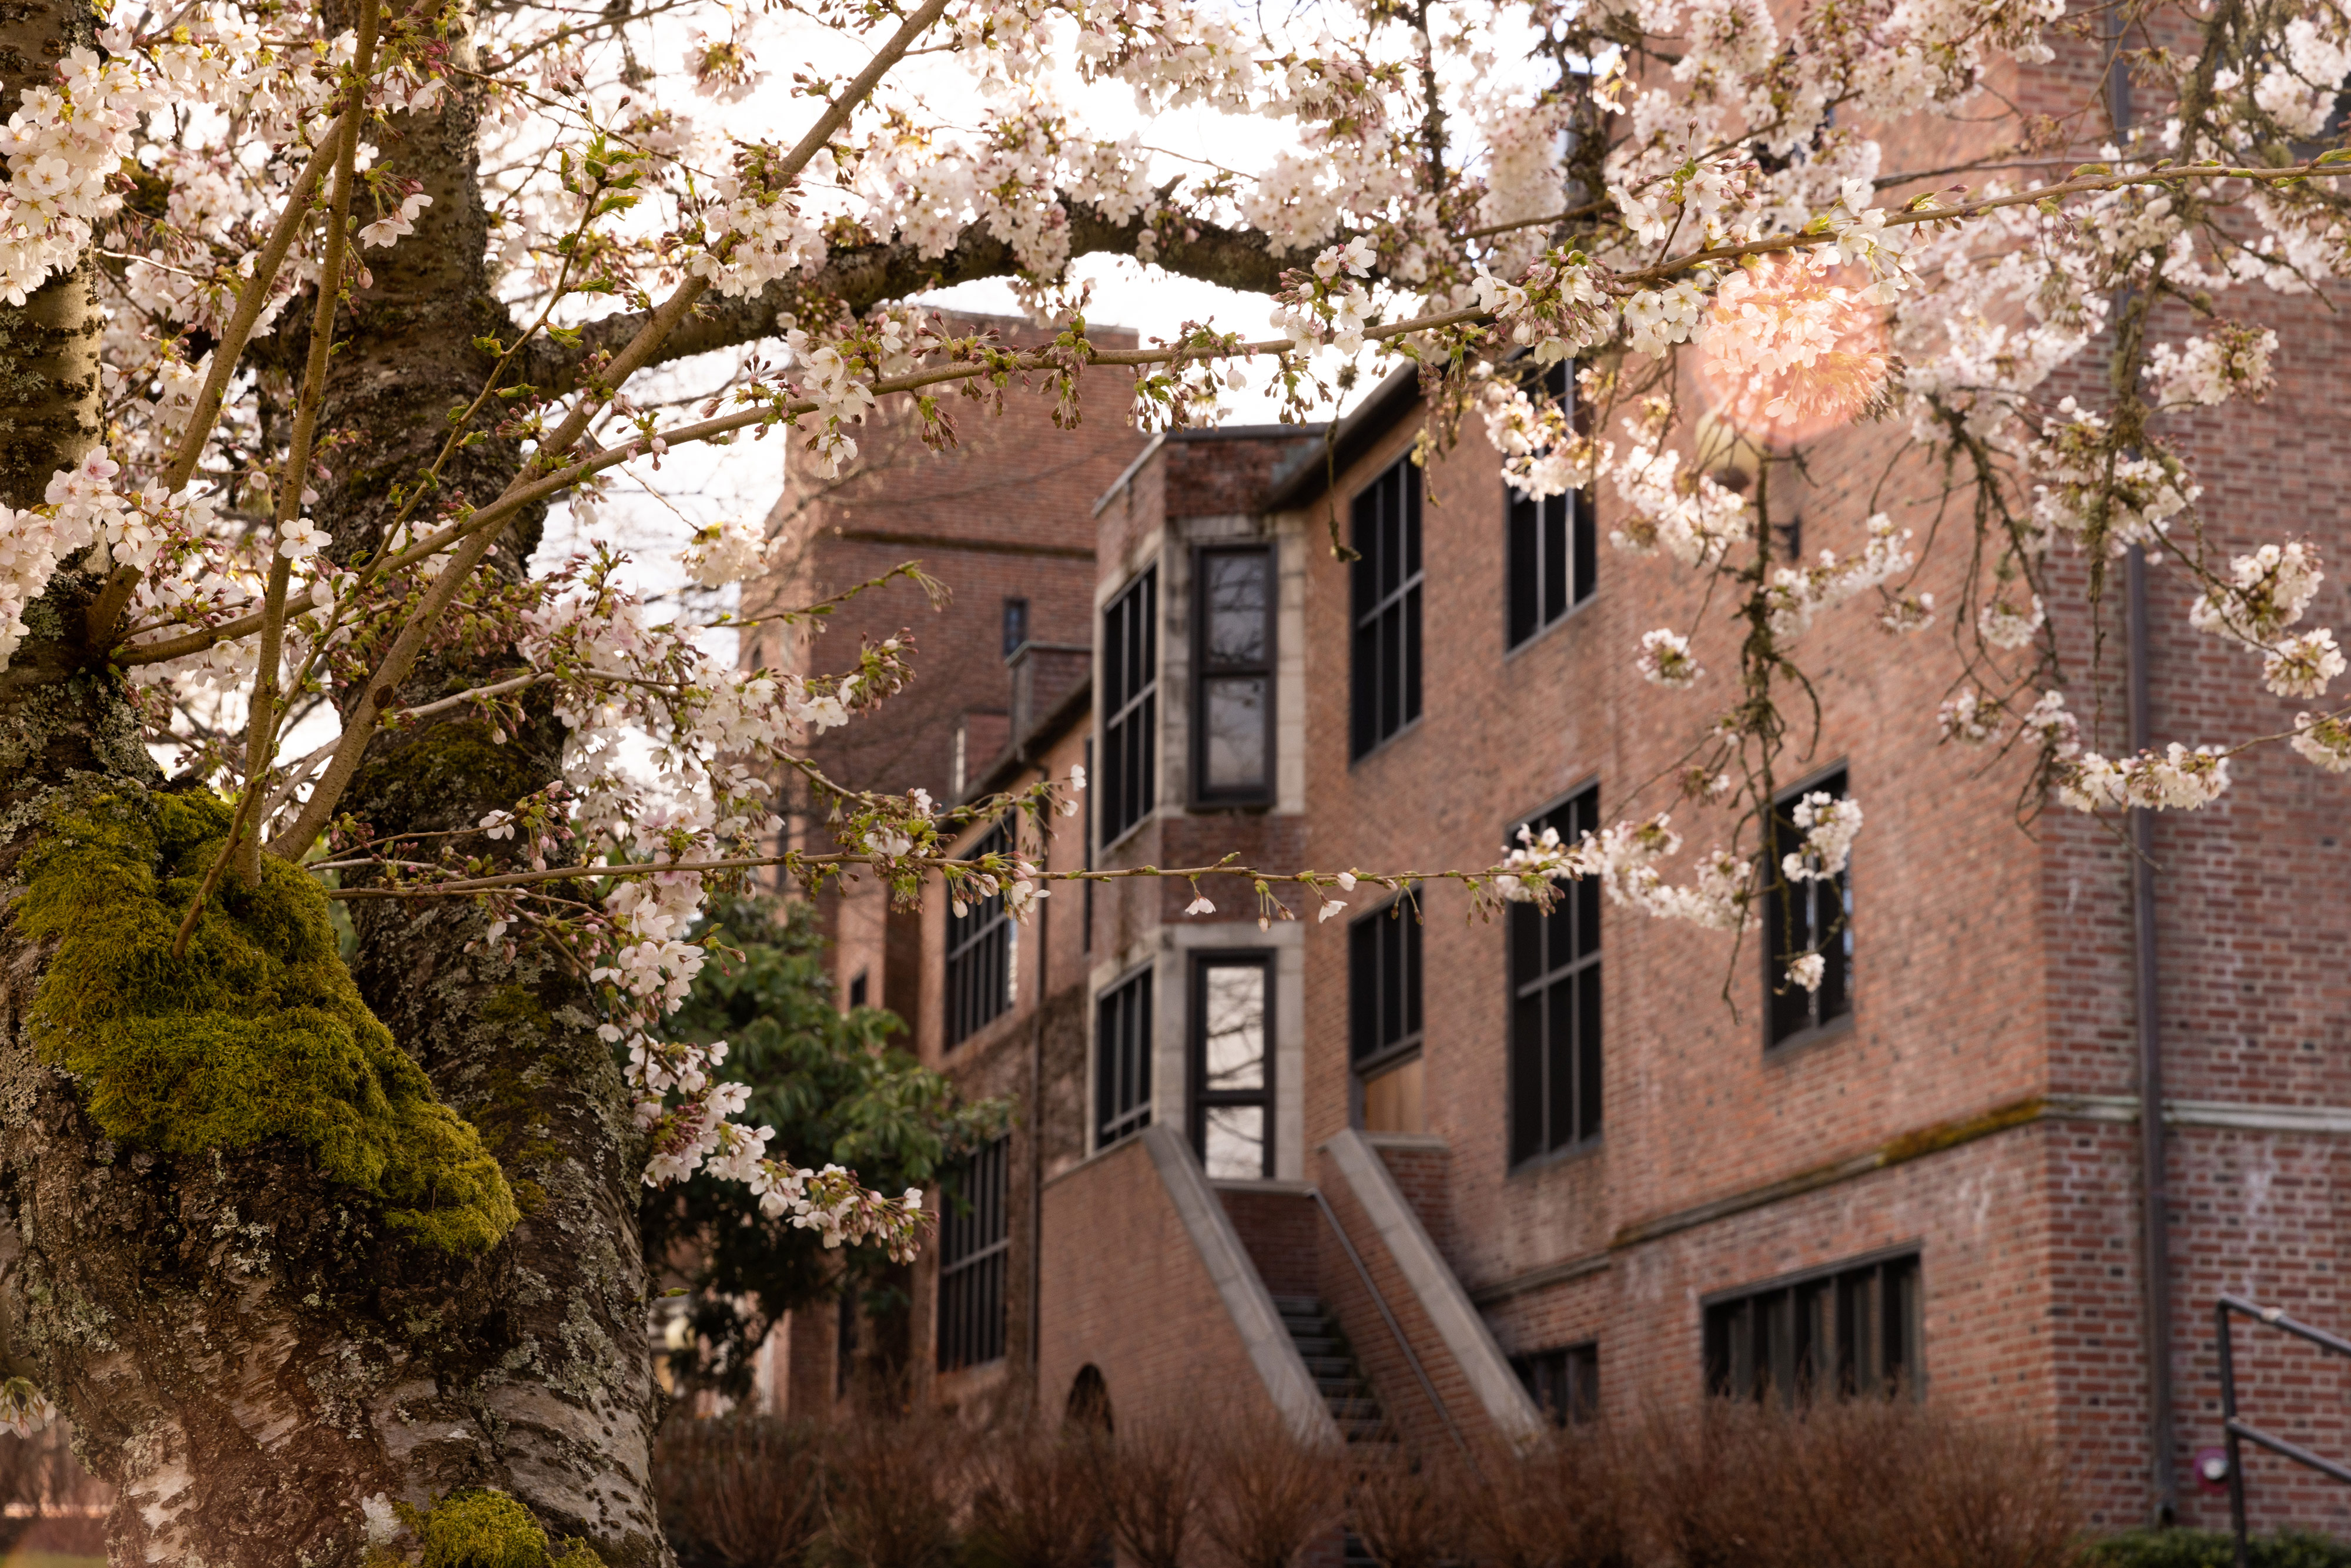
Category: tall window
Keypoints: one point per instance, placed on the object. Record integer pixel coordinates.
(1233, 700)
(1564, 1382)
(1804, 917)
(1122, 1061)
(1387, 605)
(1383, 1015)
(1130, 705)
(1554, 543)
(974, 1234)
(979, 954)
(1555, 1004)
(1232, 1071)
(1016, 626)
(1853, 1329)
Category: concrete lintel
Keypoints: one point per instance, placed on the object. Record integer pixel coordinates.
(1432, 1285)
(1267, 1339)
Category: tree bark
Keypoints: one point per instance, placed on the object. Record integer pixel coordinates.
(256, 1361)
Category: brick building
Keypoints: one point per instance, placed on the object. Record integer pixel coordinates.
(1533, 1167)
(1464, 1174)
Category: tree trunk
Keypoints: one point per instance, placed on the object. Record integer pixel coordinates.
(256, 1356)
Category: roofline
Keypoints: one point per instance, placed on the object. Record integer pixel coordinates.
(1310, 474)
(1067, 715)
(1205, 433)
(1128, 473)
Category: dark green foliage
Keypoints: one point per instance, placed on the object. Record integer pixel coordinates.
(2217, 1549)
(836, 1091)
(256, 1033)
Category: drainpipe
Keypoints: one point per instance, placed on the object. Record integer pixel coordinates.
(1037, 1133)
(2155, 1241)
(2156, 1262)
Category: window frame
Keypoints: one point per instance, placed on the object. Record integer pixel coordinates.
(1581, 977)
(1579, 516)
(970, 1296)
(1579, 1362)
(1369, 608)
(980, 940)
(1200, 1096)
(1108, 1131)
(1130, 718)
(1261, 792)
(1412, 1038)
(1817, 1026)
(1718, 1366)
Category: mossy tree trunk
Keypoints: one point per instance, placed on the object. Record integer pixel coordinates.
(246, 1348)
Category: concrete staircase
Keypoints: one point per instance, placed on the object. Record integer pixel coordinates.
(1332, 1364)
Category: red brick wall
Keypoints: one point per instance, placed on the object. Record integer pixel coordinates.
(1124, 1290)
(1279, 1231)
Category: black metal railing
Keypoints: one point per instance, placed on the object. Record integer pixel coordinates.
(2236, 1431)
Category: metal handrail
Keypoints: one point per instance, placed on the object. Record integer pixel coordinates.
(1394, 1327)
(2233, 1429)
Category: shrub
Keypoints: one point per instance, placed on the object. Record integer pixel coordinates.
(744, 1492)
(1150, 1483)
(2217, 1549)
(1863, 1483)
(1402, 1510)
(1558, 1503)
(1037, 1503)
(895, 1491)
(1269, 1494)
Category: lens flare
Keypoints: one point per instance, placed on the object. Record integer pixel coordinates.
(1788, 353)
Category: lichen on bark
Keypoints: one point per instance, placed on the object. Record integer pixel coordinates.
(257, 1032)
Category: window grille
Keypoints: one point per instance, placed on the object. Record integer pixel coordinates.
(1564, 1382)
(1122, 1061)
(1386, 600)
(1802, 917)
(1129, 705)
(1233, 690)
(1232, 1067)
(1383, 986)
(1554, 542)
(1555, 1064)
(979, 954)
(1852, 1330)
(975, 1238)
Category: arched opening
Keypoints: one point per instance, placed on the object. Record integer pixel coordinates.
(1089, 1407)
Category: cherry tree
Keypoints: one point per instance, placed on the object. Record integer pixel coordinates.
(313, 314)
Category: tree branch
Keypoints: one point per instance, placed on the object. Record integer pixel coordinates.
(856, 278)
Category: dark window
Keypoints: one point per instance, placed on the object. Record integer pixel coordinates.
(845, 1342)
(1016, 626)
(1232, 1067)
(1129, 658)
(1387, 605)
(1086, 939)
(1122, 1061)
(1564, 1382)
(1805, 916)
(973, 1236)
(1554, 543)
(1555, 1003)
(1233, 692)
(1383, 986)
(1838, 1332)
(857, 990)
(980, 953)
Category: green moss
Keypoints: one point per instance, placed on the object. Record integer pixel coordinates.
(257, 1033)
(491, 1530)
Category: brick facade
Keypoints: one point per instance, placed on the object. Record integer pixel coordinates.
(1979, 1107)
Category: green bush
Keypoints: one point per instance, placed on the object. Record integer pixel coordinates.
(2217, 1549)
